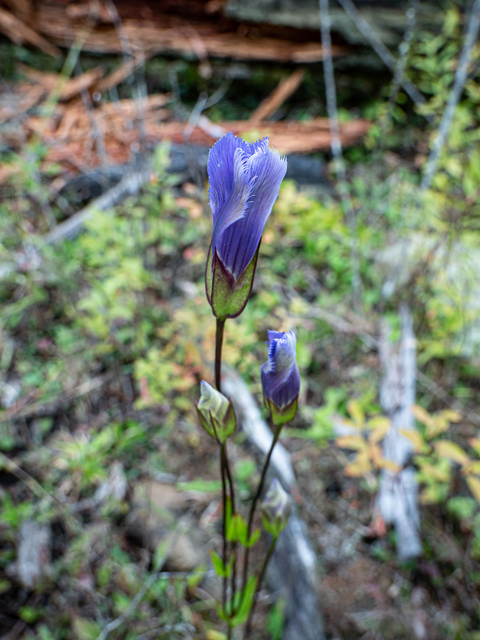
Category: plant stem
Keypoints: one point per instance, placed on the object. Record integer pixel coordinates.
(224, 506)
(218, 352)
(232, 498)
(254, 505)
(225, 471)
(259, 584)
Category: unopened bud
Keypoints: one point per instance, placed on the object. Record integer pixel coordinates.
(215, 412)
(276, 508)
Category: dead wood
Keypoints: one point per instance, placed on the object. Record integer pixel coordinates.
(120, 74)
(33, 552)
(398, 494)
(292, 569)
(179, 36)
(22, 9)
(41, 408)
(20, 33)
(71, 88)
(130, 185)
(285, 88)
(287, 137)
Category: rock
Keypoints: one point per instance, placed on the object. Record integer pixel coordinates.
(9, 393)
(154, 519)
(186, 553)
(33, 557)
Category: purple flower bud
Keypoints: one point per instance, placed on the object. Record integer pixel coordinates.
(276, 508)
(244, 182)
(280, 376)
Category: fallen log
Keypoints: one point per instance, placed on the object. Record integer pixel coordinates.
(173, 35)
(20, 33)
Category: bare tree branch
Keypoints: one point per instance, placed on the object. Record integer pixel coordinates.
(336, 146)
(379, 48)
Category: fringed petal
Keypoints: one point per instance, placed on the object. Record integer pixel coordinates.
(236, 205)
(239, 242)
(280, 375)
(220, 167)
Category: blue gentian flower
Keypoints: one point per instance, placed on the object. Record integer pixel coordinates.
(280, 376)
(244, 182)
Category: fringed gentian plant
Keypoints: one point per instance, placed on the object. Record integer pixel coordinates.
(244, 182)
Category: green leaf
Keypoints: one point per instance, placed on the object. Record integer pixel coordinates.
(203, 486)
(237, 529)
(247, 602)
(253, 538)
(217, 564)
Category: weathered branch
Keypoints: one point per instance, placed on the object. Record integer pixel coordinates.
(398, 494)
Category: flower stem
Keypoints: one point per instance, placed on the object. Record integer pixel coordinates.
(254, 505)
(224, 507)
(232, 498)
(259, 584)
(218, 352)
(227, 481)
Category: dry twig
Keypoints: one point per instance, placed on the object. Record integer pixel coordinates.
(285, 88)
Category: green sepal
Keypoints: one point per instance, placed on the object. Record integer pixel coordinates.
(274, 528)
(218, 430)
(228, 425)
(227, 297)
(206, 424)
(282, 416)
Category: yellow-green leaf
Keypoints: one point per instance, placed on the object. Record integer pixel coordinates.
(378, 422)
(421, 415)
(452, 451)
(474, 486)
(351, 442)
(379, 432)
(416, 439)
(356, 411)
(211, 634)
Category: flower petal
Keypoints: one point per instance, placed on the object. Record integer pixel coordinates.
(280, 375)
(239, 242)
(220, 167)
(238, 201)
(281, 392)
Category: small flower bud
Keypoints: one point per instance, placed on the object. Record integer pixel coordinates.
(280, 376)
(276, 508)
(215, 412)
